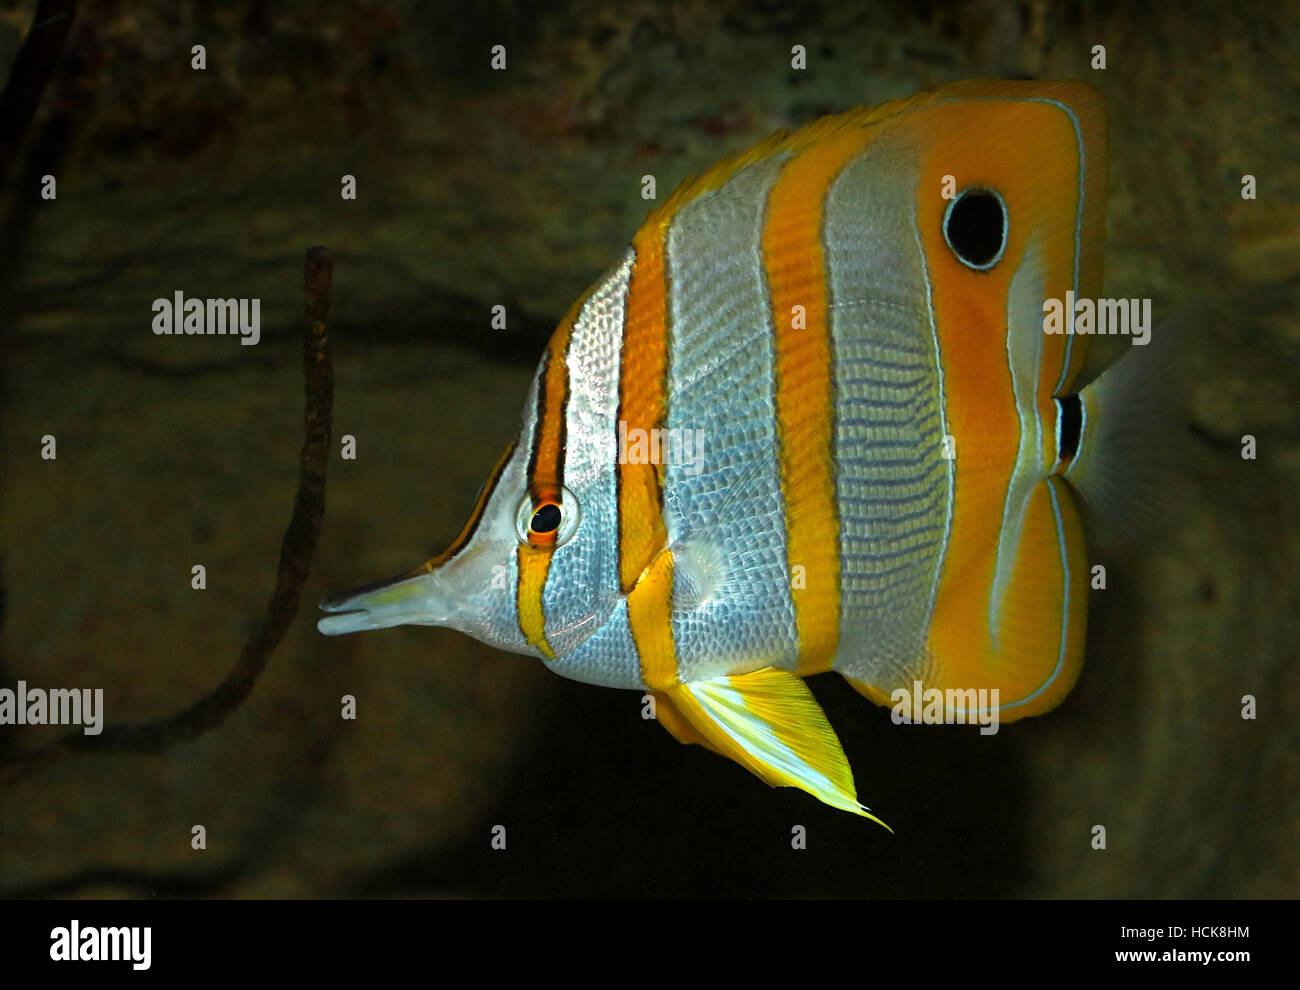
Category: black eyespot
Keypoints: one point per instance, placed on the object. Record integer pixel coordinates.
(975, 227)
(1070, 431)
(546, 519)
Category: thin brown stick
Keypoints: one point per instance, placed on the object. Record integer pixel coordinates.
(296, 552)
(31, 72)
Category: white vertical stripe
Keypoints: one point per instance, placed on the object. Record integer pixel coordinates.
(721, 381)
(582, 582)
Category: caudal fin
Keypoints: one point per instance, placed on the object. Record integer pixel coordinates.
(1131, 424)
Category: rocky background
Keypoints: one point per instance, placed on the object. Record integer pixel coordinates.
(479, 188)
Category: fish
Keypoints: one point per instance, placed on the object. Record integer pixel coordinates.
(811, 421)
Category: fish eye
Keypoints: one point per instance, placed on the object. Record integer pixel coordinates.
(975, 228)
(547, 518)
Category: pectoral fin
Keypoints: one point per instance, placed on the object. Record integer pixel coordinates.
(769, 722)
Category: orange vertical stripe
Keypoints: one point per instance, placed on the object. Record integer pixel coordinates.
(643, 370)
(545, 466)
(797, 283)
(534, 565)
(970, 310)
(648, 612)
(643, 403)
(545, 474)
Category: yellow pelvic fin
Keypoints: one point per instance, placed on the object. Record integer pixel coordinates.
(678, 725)
(770, 723)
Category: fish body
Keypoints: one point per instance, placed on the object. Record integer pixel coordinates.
(810, 421)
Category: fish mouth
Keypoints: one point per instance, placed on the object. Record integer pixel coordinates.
(413, 598)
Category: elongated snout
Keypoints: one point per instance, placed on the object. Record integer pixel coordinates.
(414, 598)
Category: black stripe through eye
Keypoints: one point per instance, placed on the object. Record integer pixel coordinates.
(546, 519)
(1071, 426)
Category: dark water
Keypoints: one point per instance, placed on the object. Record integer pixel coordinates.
(516, 188)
